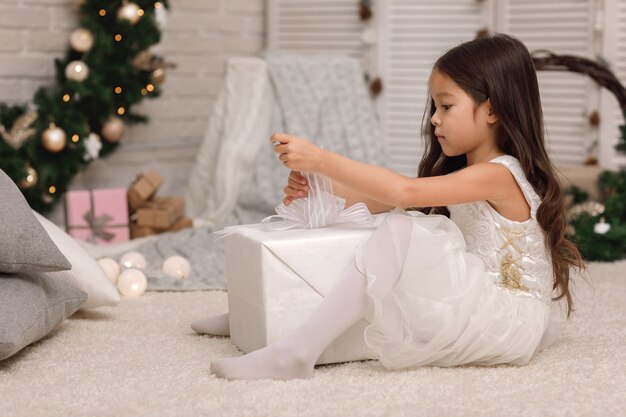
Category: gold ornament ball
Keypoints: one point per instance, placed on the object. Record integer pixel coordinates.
(54, 139)
(77, 71)
(129, 12)
(31, 178)
(158, 76)
(113, 129)
(81, 40)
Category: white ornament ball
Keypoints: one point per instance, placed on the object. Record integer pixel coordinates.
(177, 267)
(132, 283)
(602, 227)
(129, 12)
(133, 260)
(77, 71)
(81, 40)
(111, 268)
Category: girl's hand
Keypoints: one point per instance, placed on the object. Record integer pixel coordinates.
(297, 187)
(297, 153)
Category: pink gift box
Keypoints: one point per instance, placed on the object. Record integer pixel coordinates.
(98, 216)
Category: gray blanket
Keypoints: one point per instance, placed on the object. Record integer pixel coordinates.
(322, 98)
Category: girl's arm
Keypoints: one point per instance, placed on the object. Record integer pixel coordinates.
(352, 197)
(482, 181)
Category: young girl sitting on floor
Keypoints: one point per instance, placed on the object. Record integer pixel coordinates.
(474, 288)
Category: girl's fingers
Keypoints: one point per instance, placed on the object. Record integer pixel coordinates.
(297, 185)
(297, 177)
(292, 192)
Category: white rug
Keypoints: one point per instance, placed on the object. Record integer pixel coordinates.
(142, 359)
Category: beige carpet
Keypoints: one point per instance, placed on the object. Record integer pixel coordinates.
(142, 359)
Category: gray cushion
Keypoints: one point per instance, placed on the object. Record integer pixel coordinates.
(31, 306)
(24, 244)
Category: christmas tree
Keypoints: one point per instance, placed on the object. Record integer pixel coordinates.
(107, 69)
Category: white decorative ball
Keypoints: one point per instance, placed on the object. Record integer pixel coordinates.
(81, 40)
(111, 268)
(177, 266)
(133, 260)
(77, 71)
(129, 12)
(602, 227)
(132, 283)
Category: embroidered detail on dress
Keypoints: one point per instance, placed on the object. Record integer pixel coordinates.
(511, 275)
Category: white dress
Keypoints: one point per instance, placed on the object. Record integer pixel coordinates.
(474, 288)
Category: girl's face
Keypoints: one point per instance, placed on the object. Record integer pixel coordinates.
(461, 126)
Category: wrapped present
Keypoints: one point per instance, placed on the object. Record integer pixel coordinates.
(97, 216)
(285, 276)
(137, 231)
(160, 212)
(143, 189)
(291, 265)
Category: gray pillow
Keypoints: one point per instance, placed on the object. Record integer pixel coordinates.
(31, 306)
(24, 244)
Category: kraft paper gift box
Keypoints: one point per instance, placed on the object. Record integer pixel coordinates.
(276, 279)
(98, 216)
(137, 231)
(160, 212)
(143, 188)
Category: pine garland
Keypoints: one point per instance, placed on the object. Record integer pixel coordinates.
(120, 73)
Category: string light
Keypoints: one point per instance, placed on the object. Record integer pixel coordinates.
(157, 5)
(52, 189)
(102, 12)
(150, 87)
(118, 37)
(66, 98)
(118, 90)
(75, 138)
(140, 12)
(144, 92)
(121, 110)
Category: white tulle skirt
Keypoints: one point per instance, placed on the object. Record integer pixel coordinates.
(437, 305)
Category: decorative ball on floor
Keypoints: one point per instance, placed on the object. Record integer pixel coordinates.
(111, 268)
(176, 266)
(133, 260)
(132, 283)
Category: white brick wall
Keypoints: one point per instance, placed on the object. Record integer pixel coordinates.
(199, 36)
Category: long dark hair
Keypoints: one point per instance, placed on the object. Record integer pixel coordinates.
(499, 68)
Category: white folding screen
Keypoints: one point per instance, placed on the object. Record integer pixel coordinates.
(410, 34)
(315, 26)
(613, 22)
(562, 27)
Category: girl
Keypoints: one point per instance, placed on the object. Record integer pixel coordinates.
(473, 288)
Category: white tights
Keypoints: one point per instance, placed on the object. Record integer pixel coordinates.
(295, 355)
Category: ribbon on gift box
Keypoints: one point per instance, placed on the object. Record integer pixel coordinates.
(321, 208)
(97, 224)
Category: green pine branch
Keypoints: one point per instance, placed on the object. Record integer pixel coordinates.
(91, 102)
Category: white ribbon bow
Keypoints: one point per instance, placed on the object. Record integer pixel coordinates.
(321, 208)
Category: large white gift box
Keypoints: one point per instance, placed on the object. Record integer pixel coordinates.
(276, 279)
